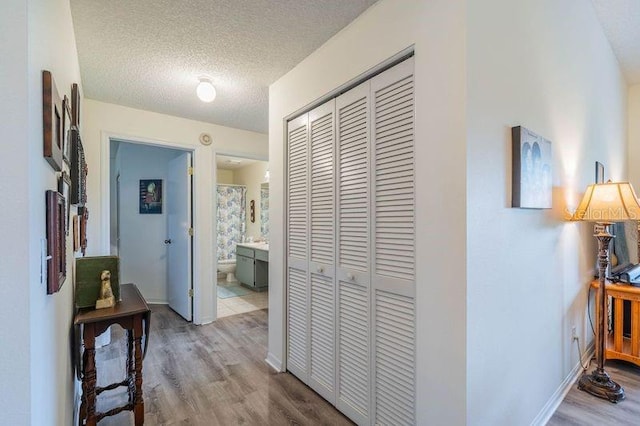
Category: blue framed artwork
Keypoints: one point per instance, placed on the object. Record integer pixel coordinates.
(151, 196)
(532, 170)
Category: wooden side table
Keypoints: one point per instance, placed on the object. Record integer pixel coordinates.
(619, 346)
(133, 315)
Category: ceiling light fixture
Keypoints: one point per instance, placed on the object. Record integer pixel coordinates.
(205, 91)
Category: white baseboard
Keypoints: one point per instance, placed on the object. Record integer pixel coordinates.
(274, 362)
(558, 396)
(157, 302)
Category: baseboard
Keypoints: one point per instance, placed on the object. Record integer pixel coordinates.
(558, 396)
(157, 302)
(274, 362)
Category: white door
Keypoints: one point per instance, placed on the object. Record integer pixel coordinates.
(178, 202)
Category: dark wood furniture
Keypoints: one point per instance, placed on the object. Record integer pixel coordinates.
(133, 315)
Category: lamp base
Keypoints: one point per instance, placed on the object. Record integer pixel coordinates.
(600, 384)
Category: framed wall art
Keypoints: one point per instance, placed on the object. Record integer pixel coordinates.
(52, 117)
(64, 188)
(83, 213)
(599, 172)
(150, 198)
(66, 131)
(79, 170)
(76, 233)
(75, 106)
(56, 242)
(532, 170)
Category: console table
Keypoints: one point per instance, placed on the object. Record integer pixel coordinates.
(133, 315)
(619, 345)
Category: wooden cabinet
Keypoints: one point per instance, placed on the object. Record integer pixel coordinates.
(623, 342)
(252, 267)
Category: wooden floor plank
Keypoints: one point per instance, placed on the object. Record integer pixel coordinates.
(582, 409)
(210, 375)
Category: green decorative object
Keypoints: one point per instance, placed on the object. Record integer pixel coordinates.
(88, 282)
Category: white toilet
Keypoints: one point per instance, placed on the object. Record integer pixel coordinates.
(228, 267)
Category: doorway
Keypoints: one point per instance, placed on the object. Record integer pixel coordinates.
(151, 221)
(242, 225)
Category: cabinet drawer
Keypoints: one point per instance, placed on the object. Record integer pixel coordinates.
(262, 255)
(244, 251)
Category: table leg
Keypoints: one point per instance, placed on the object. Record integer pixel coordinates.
(138, 402)
(131, 374)
(89, 378)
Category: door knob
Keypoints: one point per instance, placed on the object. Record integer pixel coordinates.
(167, 241)
(320, 269)
(351, 277)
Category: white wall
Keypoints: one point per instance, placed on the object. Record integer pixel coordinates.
(224, 176)
(51, 45)
(252, 176)
(102, 120)
(437, 29)
(16, 275)
(634, 136)
(143, 254)
(546, 65)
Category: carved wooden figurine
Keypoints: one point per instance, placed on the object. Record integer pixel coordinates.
(106, 299)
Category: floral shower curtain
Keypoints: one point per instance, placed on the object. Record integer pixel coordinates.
(231, 219)
(264, 212)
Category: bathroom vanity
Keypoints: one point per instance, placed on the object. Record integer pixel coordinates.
(252, 265)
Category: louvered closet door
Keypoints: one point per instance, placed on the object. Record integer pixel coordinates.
(353, 253)
(297, 247)
(322, 249)
(393, 237)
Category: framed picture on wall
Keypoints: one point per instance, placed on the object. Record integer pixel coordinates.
(599, 172)
(64, 188)
(66, 131)
(150, 198)
(52, 121)
(532, 170)
(56, 242)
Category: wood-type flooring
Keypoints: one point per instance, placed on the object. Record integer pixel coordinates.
(582, 409)
(213, 374)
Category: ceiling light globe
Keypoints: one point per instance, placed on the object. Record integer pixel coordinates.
(205, 91)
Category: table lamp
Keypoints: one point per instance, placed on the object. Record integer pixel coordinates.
(605, 204)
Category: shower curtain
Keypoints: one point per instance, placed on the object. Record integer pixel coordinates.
(230, 219)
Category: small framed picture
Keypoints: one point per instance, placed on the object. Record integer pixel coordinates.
(66, 131)
(599, 172)
(51, 121)
(532, 182)
(76, 233)
(150, 198)
(64, 188)
(75, 106)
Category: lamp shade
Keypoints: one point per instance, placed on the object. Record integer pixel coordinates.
(608, 202)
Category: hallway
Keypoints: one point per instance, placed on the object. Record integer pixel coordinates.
(210, 375)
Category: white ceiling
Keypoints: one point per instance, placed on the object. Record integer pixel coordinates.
(225, 162)
(621, 22)
(148, 54)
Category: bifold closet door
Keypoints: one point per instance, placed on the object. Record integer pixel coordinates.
(297, 247)
(322, 250)
(353, 252)
(393, 237)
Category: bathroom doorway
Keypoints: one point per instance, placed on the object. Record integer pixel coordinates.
(242, 230)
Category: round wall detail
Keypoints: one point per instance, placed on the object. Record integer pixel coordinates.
(205, 139)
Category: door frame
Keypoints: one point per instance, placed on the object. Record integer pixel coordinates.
(214, 216)
(199, 272)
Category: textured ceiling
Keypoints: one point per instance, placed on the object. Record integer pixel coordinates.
(621, 22)
(226, 162)
(148, 54)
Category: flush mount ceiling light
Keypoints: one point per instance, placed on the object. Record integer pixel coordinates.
(205, 91)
